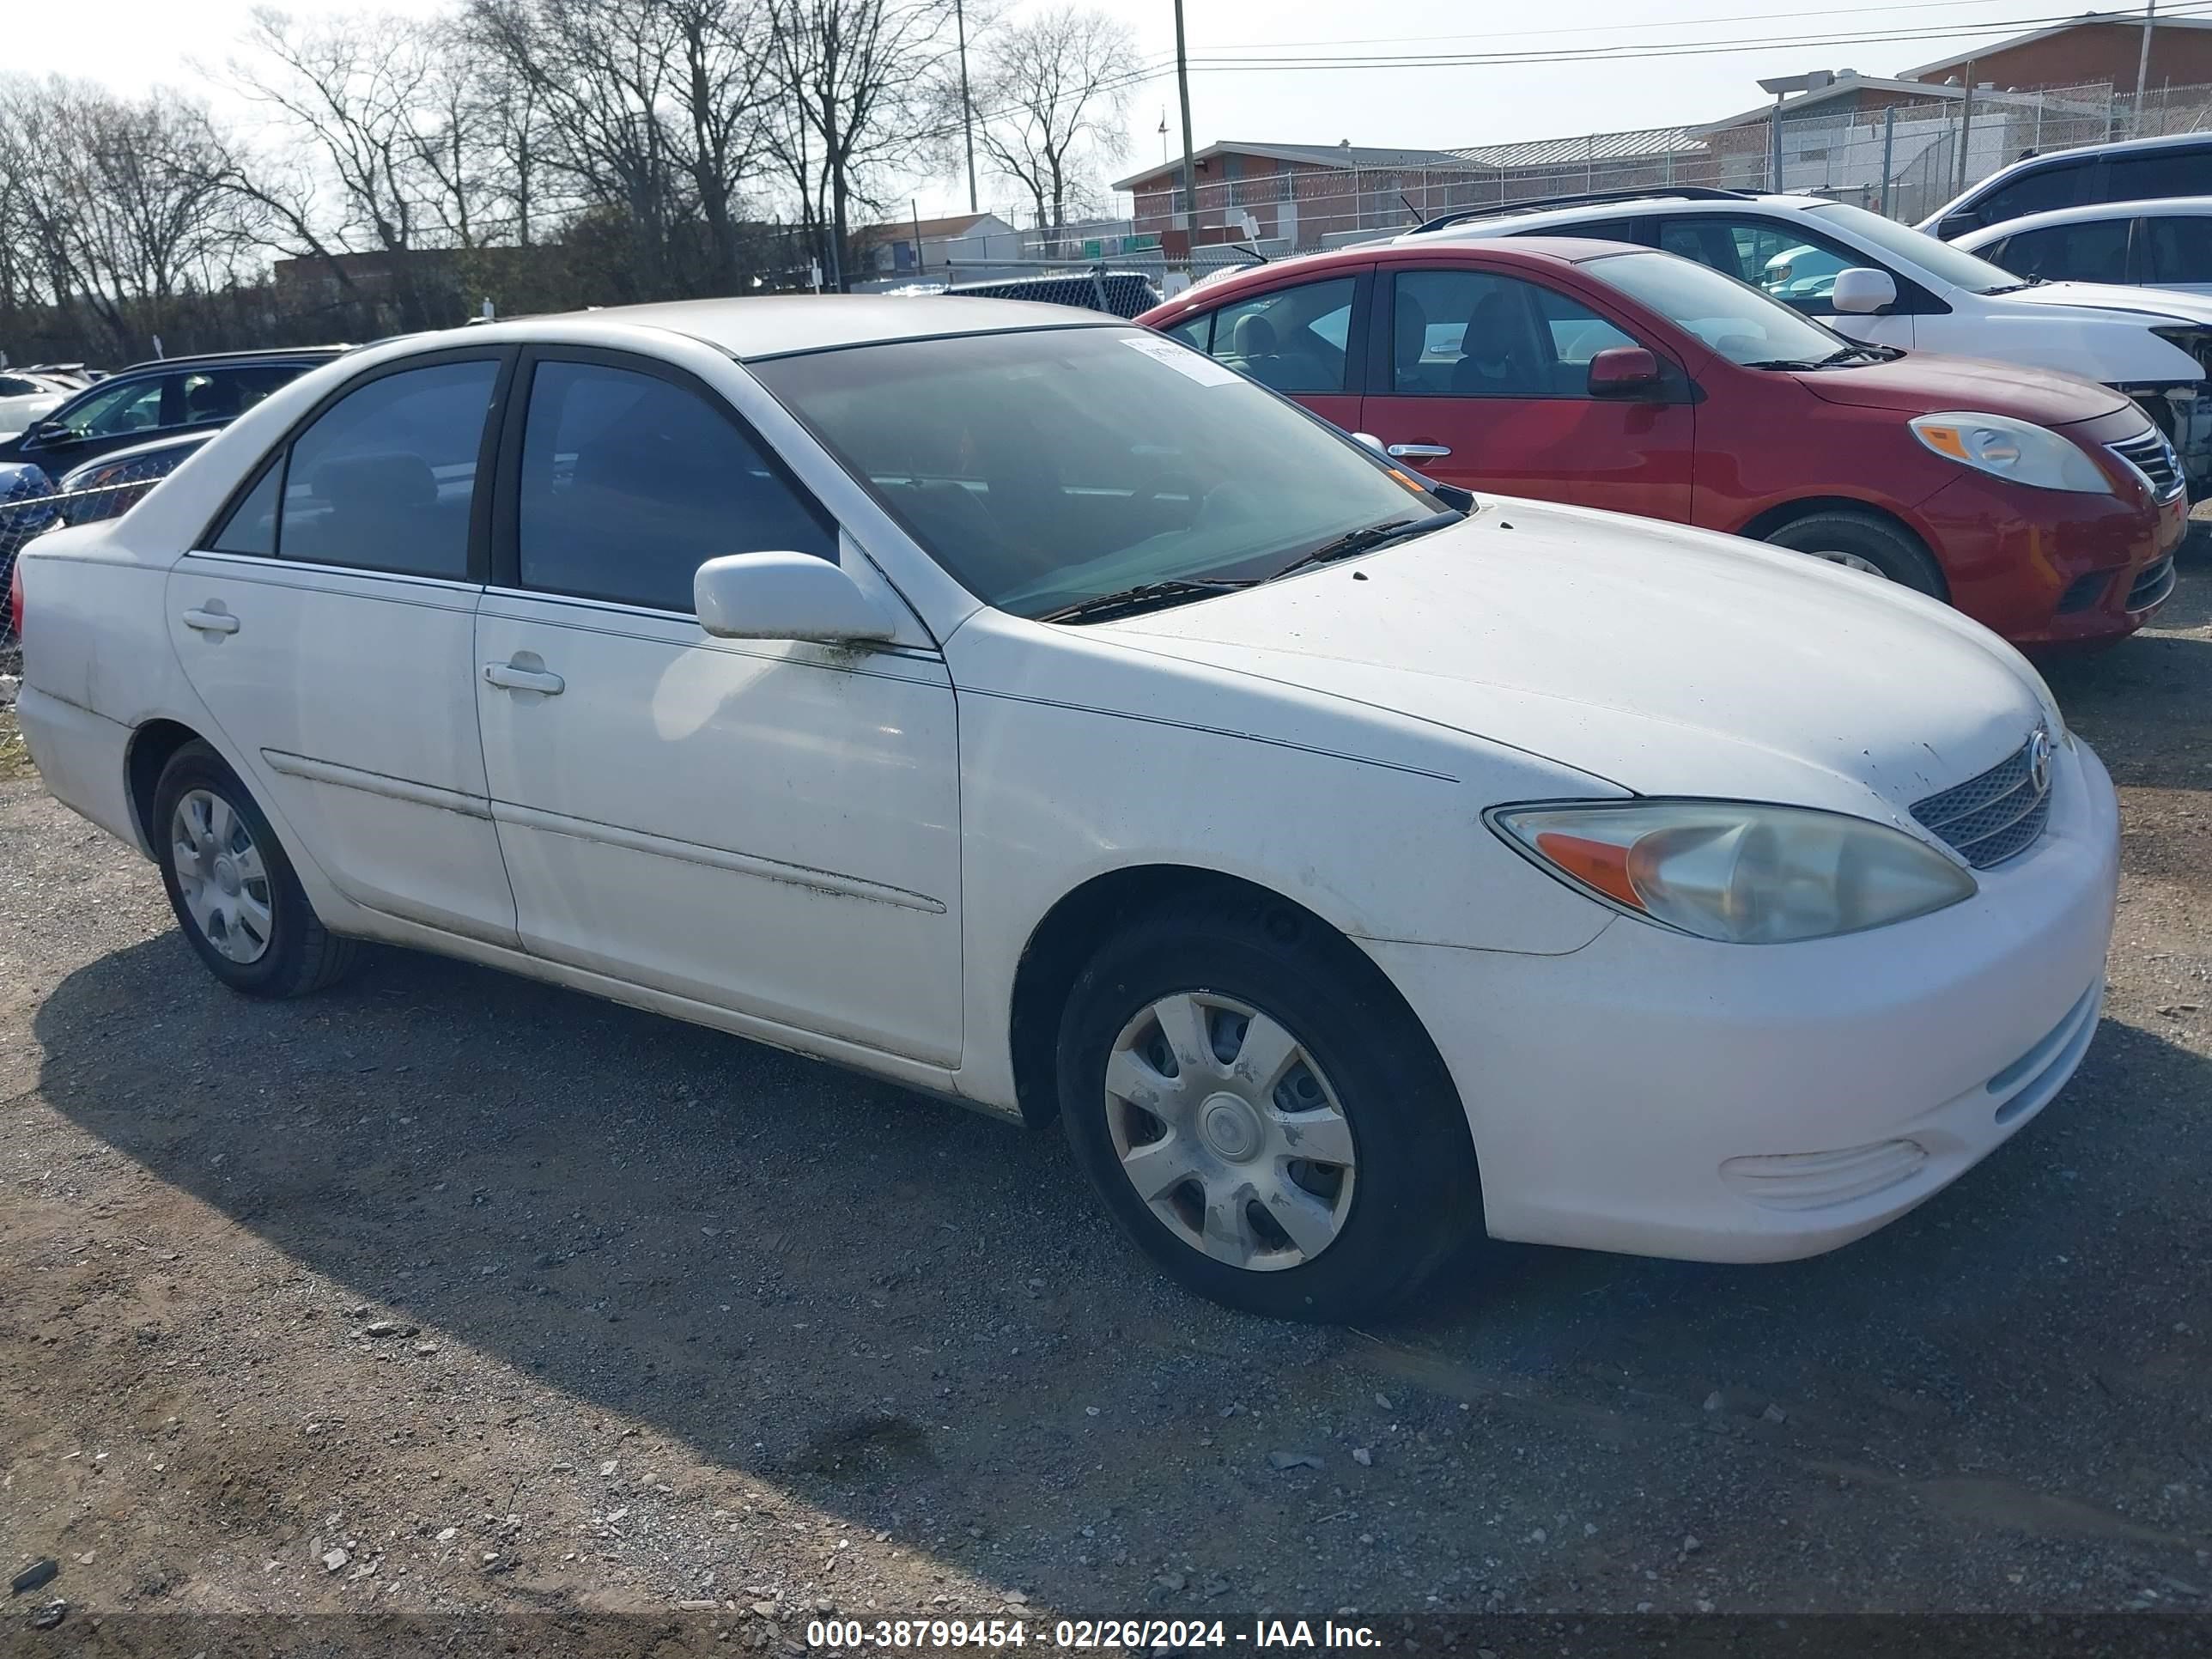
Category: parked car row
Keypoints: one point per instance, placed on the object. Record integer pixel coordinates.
(1035, 710)
(1620, 375)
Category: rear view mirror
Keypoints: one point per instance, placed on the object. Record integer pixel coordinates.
(785, 596)
(1624, 372)
(1862, 291)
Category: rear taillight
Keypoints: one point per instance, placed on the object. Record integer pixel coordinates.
(15, 602)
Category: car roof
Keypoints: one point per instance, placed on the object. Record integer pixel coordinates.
(781, 324)
(1511, 220)
(2171, 207)
(1519, 250)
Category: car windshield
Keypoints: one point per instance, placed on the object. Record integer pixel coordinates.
(1053, 466)
(1938, 258)
(1735, 319)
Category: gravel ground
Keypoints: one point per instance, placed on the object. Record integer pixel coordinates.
(449, 1293)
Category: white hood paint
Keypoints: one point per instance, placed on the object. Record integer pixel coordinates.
(1668, 661)
(2166, 303)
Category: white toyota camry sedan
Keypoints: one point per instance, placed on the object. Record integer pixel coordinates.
(1012, 703)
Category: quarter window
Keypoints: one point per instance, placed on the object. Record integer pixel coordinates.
(1290, 338)
(386, 477)
(630, 482)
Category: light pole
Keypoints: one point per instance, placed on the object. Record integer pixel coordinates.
(967, 105)
(2143, 66)
(1189, 175)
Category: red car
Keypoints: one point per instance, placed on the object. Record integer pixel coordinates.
(1611, 376)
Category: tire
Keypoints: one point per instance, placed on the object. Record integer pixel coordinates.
(232, 887)
(1364, 1079)
(1862, 540)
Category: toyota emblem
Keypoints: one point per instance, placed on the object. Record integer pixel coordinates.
(2039, 761)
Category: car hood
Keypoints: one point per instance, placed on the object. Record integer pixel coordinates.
(2164, 302)
(1665, 661)
(1922, 382)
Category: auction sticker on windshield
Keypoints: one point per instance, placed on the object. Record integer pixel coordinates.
(1181, 359)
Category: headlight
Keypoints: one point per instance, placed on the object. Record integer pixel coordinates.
(2019, 450)
(1735, 871)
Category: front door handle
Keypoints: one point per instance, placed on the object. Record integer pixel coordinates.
(1419, 452)
(211, 621)
(510, 677)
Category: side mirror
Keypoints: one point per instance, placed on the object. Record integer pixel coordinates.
(1372, 441)
(1861, 291)
(1624, 372)
(1958, 224)
(785, 596)
(45, 432)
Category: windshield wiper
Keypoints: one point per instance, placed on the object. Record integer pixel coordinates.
(1834, 359)
(1365, 540)
(1145, 596)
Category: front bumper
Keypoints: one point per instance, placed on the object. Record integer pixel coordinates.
(2044, 568)
(1666, 1096)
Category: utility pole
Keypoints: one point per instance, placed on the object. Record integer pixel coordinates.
(967, 105)
(2142, 65)
(1189, 173)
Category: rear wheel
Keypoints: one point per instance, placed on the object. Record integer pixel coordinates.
(1864, 543)
(232, 888)
(1263, 1116)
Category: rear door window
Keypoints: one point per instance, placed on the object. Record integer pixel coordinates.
(2183, 170)
(2178, 249)
(384, 479)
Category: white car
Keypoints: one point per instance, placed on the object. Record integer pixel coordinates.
(1876, 280)
(1021, 707)
(25, 398)
(2164, 244)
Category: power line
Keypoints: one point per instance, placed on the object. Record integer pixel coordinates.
(1669, 23)
(1629, 52)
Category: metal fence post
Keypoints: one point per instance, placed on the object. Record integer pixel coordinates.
(1888, 151)
(1965, 129)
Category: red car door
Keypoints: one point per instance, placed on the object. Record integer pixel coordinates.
(1484, 385)
(1299, 338)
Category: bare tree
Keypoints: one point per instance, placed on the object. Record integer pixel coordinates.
(112, 206)
(862, 82)
(652, 110)
(1055, 93)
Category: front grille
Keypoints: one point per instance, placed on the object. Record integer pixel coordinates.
(1995, 816)
(2152, 456)
(2153, 586)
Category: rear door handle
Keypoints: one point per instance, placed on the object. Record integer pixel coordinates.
(211, 621)
(1419, 452)
(506, 675)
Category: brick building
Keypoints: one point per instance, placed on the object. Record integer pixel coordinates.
(2089, 50)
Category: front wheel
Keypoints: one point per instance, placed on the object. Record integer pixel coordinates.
(1263, 1116)
(231, 886)
(1864, 543)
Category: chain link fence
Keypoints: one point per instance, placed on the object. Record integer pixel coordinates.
(1896, 154)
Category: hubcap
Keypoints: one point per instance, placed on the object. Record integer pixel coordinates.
(1229, 1131)
(220, 875)
(1852, 561)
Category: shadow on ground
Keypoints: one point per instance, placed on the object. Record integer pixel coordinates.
(918, 1319)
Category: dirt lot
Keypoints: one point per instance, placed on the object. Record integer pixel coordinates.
(446, 1292)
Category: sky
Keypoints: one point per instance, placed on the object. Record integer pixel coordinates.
(143, 43)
